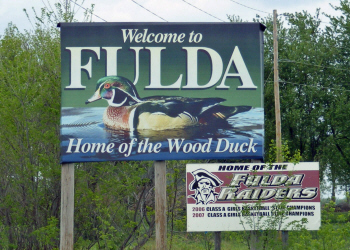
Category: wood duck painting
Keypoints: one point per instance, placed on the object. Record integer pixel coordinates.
(127, 111)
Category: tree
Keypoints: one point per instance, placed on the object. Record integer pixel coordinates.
(113, 204)
(29, 119)
(314, 102)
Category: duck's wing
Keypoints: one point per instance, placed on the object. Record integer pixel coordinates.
(220, 113)
(183, 112)
(174, 106)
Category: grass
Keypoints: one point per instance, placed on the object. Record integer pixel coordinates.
(194, 241)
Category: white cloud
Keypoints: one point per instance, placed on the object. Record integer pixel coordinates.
(170, 10)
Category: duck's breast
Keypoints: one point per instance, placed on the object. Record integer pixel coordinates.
(119, 117)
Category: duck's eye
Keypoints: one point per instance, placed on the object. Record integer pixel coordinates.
(107, 86)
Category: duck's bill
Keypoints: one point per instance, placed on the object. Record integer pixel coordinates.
(95, 97)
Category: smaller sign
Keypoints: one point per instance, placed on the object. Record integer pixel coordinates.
(253, 196)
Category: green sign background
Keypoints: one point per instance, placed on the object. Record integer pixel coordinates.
(222, 38)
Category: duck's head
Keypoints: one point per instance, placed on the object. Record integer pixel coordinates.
(117, 90)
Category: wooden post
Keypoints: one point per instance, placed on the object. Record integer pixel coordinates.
(160, 196)
(254, 234)
(67, 207)
(277, 91)
(279, 157)
(217, 240)
(285, 237)
(254, 240)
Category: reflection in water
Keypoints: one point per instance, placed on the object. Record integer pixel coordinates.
(190, 132)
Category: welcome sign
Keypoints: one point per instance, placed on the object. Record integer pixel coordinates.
(160, 91)
(246, 196)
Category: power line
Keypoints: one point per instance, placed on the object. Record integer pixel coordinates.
(269, 75)
(288, 15)
(306, 85)
(203, 11)
(315, 65)
(149, 10)
(249, 7)
(87, 10)
(107, 21)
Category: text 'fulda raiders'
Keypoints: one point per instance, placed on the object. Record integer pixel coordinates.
(266, 187)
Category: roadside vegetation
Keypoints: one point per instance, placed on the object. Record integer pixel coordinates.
(114, 201)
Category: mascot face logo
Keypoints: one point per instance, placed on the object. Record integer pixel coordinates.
(204, 184)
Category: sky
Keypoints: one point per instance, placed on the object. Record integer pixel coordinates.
(164, 10)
